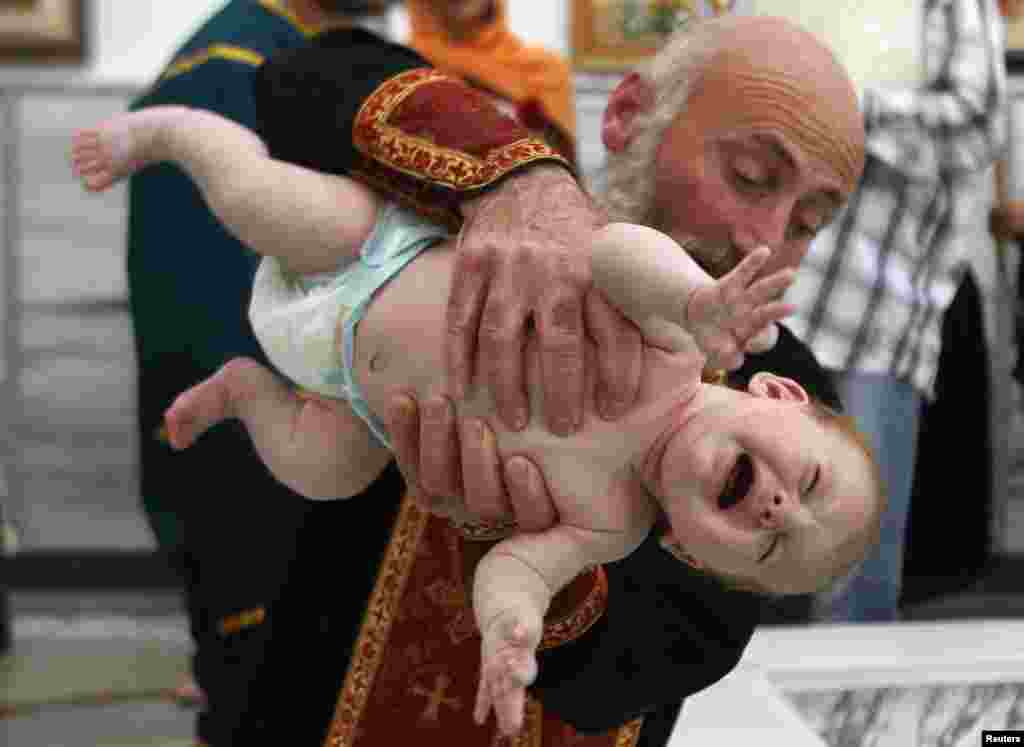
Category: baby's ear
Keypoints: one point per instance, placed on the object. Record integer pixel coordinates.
(669, 544)
(764, 384)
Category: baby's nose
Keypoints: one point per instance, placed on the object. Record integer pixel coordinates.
(773, 510)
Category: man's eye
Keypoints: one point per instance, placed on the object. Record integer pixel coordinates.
(804, 231)
(749, 179)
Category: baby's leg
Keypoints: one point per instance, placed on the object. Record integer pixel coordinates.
(316, 446)
(312, 221)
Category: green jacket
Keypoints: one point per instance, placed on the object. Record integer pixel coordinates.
(188, 279)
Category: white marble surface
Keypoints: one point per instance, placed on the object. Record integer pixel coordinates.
(744, 708)
(933, 716)
(929, 685)
(846, 657)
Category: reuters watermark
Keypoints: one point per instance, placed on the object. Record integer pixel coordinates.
(1002, 737)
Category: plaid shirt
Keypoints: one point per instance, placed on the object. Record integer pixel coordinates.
(875, 284)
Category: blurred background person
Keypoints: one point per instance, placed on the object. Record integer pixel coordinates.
(1007, 225)
(874, 287)
(959, 428)
(226, 525)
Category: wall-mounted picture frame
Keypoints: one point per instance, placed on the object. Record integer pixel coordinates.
(42, 32)
(614, 35)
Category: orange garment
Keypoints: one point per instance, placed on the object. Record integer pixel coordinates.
(494, 58)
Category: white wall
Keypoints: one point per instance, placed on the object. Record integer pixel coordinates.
(128, 42)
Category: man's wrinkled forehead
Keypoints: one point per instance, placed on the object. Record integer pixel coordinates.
(771, 76)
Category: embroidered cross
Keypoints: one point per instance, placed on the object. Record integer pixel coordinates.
(436, 698)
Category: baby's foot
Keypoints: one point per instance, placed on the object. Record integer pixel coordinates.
(103, 155)
(198, 409)
(507, 666)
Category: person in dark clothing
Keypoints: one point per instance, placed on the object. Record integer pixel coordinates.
(186, 324)
(347, 659)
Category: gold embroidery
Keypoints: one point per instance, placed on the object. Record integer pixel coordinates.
(717, 376)
(373, 636)
(216, 51)
(414, 155)
(162, 434)
(436, 698)
(582, 618)
(241, 621)
(275, 7)
(233, 52)
(484, 531)
(370, 681)
(630, 733)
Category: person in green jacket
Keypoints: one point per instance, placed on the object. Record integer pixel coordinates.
(226, 527)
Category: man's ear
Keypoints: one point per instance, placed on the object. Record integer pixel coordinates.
(669, 544)
(634, 95)
(764, 384)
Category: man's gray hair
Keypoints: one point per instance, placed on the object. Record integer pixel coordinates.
(628, 193)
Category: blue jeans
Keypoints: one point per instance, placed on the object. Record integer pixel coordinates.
(888, 411)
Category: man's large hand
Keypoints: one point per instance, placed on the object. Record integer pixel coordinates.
(524, 256)
(444, 460)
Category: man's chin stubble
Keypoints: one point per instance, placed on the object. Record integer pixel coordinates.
(716, 259)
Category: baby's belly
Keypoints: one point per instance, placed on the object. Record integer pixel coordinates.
(400, 340)
(400, 347)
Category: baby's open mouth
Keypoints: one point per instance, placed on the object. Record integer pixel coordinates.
(737, 485)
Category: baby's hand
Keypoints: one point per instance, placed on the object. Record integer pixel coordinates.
(724, 315)
(508, 664)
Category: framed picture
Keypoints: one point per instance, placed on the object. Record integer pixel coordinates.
(38, 32)
(613, 35)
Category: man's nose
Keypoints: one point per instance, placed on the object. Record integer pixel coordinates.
(765, 225)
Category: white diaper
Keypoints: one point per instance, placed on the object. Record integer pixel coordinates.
(306, 323)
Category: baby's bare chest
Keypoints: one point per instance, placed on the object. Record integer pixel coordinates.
(584, 474)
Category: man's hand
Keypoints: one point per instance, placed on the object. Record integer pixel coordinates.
(460, 458)
(524, 256)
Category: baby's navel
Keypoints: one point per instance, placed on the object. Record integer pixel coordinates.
(379, 361)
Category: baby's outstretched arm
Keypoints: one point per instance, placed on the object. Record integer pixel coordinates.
(318, 447)
(515, 582)
(655, 282)
(310, 220)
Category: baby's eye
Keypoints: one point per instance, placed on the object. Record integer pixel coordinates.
(771, 548)
(814, 480)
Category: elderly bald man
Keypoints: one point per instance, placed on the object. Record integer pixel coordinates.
(745, 132)
(740, 133)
